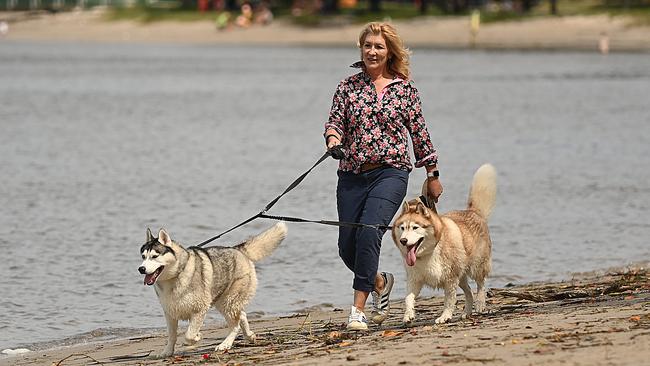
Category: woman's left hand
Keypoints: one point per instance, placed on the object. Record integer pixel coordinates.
(434, 189)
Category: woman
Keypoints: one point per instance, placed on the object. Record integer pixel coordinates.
(372, 115)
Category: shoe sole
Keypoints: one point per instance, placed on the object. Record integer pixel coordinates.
(357, 326)
(379, 318)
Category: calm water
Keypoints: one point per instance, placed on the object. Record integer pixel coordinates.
(98, 143)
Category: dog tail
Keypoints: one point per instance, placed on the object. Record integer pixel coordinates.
(262, 245)
(483, 191)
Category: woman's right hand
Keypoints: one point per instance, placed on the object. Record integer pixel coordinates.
(332, 141)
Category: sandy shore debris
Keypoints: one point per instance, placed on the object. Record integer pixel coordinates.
(596, 319)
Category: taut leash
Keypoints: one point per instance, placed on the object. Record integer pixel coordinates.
(291, 186)
(326, 222)
(335, 152)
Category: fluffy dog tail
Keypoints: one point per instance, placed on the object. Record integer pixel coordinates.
(262, 245)
(483, 191)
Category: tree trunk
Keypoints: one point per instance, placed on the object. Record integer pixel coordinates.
(375, 6)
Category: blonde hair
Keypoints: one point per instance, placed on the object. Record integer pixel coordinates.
(398, 55)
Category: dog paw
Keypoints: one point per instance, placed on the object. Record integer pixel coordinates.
(480, 307)
(443, 318)
(408, 318)
(191, 340)
(223, 347)
(251, 337)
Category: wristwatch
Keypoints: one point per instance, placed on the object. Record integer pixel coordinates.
(433, 174)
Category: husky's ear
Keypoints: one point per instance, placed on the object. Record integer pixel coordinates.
(405, 207)
(164, 238)
(149, 235)
(422, 209)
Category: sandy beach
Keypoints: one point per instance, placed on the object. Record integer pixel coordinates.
(553, 33)
(600, 318)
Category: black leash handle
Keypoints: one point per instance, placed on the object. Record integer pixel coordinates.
(272, 203)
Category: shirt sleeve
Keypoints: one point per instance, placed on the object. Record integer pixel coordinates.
(337, 112)
(425, 154)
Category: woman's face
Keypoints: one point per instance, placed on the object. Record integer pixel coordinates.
(374, 52)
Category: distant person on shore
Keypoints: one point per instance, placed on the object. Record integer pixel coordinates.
(244, 20)
(263, 14)
(373, 114)
(222, 22)
(4, 28)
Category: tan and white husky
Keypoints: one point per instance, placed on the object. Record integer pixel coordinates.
(444, 251)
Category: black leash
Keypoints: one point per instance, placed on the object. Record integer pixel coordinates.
(336, 153)
(326, 222)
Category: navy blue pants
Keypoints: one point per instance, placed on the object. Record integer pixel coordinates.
(372, 197)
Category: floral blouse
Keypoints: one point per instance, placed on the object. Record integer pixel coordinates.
(374, 126)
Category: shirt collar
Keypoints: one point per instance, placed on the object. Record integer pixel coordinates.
(360, 65)
(357, 65)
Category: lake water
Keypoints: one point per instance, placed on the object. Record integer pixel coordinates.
(99, 142)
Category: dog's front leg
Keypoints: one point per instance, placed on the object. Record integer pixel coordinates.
(193, 333)
(172, 328)
(413, 290)
(450, 303)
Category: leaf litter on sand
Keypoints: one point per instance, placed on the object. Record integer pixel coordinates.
(322, 336)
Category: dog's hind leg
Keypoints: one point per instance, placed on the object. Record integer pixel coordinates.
(450, 303)
(480, 295)
(469, 299)
(243, 323)
(233, 323)
(193, 333)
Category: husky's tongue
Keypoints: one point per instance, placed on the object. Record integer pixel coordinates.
(410, 255)
(150, 279)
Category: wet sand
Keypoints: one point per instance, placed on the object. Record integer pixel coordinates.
(562, 33)
(598, 318)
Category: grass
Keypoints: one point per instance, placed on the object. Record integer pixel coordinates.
(168, 10)
(361, 14)
(641, 14)
(155, 14)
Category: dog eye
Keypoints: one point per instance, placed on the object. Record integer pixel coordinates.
(143, 256)
(415, 227)
(155, 256)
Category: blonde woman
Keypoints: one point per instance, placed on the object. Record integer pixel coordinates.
(373, 113)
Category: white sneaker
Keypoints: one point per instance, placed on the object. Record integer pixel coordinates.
(357, 320)
(381, 301)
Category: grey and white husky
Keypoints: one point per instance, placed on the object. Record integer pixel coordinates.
(189, 281)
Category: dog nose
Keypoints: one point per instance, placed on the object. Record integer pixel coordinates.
(142, 270)
(403, 241)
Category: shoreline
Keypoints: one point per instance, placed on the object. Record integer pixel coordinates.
(570, 33)
(599, 317)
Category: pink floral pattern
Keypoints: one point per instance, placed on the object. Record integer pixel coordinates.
(376, 130)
